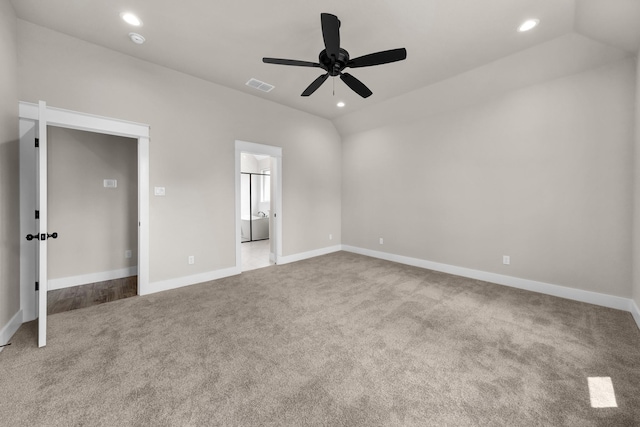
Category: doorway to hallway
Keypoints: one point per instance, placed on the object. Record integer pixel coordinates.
(258, 205)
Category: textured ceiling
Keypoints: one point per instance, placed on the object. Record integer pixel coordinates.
(224, 42)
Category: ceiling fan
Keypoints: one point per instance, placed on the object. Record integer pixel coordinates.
(333, 59)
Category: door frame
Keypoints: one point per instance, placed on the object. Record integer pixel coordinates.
(276, 177)
(29, 121)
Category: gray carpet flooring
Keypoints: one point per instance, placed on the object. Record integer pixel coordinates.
(337, 340)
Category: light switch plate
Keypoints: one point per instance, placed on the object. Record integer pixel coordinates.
(110, 183)
(158, 191)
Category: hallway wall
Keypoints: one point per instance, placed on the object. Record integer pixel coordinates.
(96, 225)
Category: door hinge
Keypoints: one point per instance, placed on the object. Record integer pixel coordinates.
(37, 286)
(37, 142)
(37, 214)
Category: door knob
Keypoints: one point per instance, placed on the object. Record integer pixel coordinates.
(42, 236)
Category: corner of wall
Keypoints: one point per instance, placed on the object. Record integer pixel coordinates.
(635, 253)
(10, 328)
(9, 179)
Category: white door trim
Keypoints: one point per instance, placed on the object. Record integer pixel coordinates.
(42, 204)
(276, 153)
(29, 116)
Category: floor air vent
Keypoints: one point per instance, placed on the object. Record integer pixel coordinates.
(257, 84)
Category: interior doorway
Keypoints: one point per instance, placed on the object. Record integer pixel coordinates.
(255, 204)
(92, 204)
(33, 122)
(255, 210)
(258, 205)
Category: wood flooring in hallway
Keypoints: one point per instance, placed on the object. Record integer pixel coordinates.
(91, 294)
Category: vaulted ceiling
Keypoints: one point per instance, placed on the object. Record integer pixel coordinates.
(224, 42)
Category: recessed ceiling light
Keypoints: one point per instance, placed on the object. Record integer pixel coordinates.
(529, 24)
(136, 38)
(340, 104)
(131, 19)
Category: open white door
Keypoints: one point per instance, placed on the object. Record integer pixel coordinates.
(41, 191)
(41, 216)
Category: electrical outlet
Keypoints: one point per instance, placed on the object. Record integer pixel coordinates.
(330, 236)
(192, 259)
(506, 259)
(381, 241)
(127, 253)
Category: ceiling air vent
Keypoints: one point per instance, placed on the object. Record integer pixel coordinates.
(257, 84)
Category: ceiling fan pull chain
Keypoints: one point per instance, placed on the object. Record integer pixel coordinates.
(334, 86)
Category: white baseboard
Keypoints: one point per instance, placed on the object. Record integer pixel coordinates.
(10, 328)
(179, 282)
(83, 279)
(514, 282)
(305, 255)
(635, 312)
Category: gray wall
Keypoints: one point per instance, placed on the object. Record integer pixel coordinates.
(543, 174)
(9, 203)
(95, 224)
(194, 125)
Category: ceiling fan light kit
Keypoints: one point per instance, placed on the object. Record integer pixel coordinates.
(333, 59)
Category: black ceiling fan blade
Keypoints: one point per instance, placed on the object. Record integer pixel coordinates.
(315, 85)
(356, 85)
(331, 33)
(378, 58)
(291, 62)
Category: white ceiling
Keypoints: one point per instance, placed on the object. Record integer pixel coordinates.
(224, 42)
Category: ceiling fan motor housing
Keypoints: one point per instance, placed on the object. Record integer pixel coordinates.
(334, 66)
